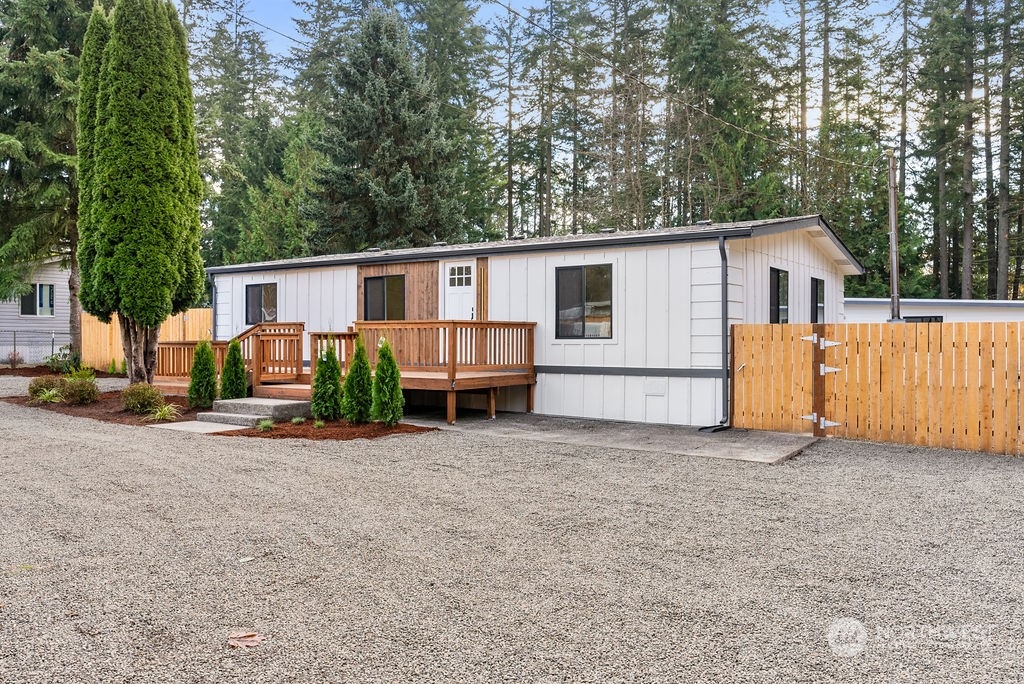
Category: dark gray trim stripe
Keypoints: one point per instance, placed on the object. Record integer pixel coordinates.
(634, 372)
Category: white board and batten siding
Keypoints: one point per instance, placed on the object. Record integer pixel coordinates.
(49, 273)
(322, 298)
(873, 310)
(665, 315)
(795, 253)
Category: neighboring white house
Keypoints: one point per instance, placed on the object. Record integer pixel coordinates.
(36, 324)
(630, 325)
(869, 310)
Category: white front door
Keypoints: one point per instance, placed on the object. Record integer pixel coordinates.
(459, 291)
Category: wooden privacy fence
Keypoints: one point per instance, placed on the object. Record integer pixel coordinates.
(953, 385)
(101, 342)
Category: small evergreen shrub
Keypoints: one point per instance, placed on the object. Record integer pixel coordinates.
(141, 398)
(44, 383)
(357, 397)
(202, 386)
(163, 413)
(388, 401)
(326, 400)
(124, 367)
(79, 390)
(232, 378)
(112, 368)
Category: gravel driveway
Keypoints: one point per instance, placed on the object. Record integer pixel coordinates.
(129, 554)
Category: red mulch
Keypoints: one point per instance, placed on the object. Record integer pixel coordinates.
(332, 429)
(36, 371)
(108, 409)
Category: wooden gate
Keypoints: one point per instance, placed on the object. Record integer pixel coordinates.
(954, 385)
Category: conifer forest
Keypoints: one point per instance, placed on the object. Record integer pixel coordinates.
(390, 125)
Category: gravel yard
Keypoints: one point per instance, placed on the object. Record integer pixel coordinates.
(130, 554)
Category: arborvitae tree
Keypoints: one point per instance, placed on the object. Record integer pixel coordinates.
(232, 378)
(357, 396)
(40, 45)
(388, 401)
(141, 253)
(326, 404)
(202, 386)
(390, 177)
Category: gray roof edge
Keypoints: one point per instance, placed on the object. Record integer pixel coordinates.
(951, 303)
(504, 247)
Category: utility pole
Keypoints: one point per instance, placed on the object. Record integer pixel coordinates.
(894, 243)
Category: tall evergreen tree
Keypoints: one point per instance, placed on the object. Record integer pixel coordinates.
(141, 255)
(40, 44)
(390, 175)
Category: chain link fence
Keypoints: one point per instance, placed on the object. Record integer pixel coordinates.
(29, 348)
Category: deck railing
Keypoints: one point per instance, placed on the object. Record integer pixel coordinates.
(272, 351)
(453, 345)
(344, 344)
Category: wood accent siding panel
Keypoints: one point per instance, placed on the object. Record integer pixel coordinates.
(421, 287)
(481, 288)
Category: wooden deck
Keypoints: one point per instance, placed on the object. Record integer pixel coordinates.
(441, 356)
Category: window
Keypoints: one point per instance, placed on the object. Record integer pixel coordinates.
(778, 296)
(583, 302)
(384, 298)
(38, 301)
(817, 300)
(460, 276)
(260, 303)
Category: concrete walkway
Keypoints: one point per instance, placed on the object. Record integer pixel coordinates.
(732, 444)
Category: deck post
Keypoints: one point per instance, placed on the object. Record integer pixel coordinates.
(492, 401)
(451, 407)
(529, 397)
(257, 359)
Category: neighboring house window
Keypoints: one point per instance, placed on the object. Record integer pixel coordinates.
(384, 298)
(260, 303)
(38, 301)
(778, 296)
(583, 302)
(817, 300)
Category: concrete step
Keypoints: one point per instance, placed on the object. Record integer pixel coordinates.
(277, 409)
(242, 419)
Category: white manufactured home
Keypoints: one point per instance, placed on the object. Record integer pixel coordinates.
(874, 310)
(629, 325)
(36, 324)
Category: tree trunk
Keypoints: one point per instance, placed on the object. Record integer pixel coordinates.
(826, 87)
(804, 200)
(967, 262)
(1003, 225)
(74, 285)
(140, 344)
(990, 193)
(904, 97)
(940, 220)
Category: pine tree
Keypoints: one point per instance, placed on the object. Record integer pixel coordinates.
(357, 395)
(40, 45)
(140, 256)
(326, 400)
(387, 388)
(232, 378)
(390, 176)
(202, 386)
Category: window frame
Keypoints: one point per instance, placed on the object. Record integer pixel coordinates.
(775, 306)
(36, 294)
(385, 305)
(817, 300)
(582, 270)
(262, 303)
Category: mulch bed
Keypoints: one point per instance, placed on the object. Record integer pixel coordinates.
(108, 409)
(332, 429)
